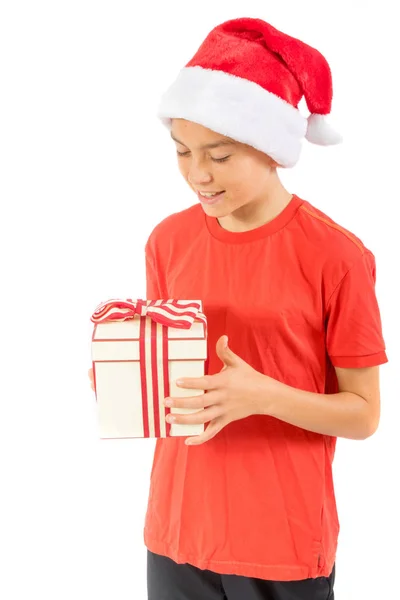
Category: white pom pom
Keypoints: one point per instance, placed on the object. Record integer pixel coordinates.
(320, 132)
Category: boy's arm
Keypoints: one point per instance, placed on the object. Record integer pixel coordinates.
(352, 413)
(356, 347)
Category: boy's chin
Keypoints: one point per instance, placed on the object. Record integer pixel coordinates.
(214, 210)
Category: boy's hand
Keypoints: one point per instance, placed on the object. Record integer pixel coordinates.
(90, 374)
(232, 394)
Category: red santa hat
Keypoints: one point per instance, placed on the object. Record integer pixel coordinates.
(246, 81)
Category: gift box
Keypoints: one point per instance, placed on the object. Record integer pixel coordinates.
(139, 349)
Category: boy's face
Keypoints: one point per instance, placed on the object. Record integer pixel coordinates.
(240, 172)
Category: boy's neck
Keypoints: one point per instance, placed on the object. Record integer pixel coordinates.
(256, 214)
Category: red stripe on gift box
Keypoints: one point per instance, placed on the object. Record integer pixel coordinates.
(142, 352)
(166, 373)
(154, 374)
(127, 339)
(128, 360)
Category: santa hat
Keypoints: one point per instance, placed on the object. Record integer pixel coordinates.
(246, 81)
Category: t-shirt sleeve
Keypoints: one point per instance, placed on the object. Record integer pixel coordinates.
(353, 325)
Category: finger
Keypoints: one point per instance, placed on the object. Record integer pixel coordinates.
(225, 354)
(202, 416)
(207, 382)
(211, 431)
(202, 401)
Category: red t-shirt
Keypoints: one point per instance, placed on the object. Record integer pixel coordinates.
(296, 297)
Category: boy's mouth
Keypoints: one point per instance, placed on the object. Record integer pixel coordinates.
(210, 197)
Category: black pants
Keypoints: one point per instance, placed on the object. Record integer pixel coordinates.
(167, 580)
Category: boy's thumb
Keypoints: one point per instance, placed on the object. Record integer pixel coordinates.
(224, 353)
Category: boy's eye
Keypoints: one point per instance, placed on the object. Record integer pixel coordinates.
(219, 160)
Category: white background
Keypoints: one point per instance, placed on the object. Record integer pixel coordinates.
(86, 173)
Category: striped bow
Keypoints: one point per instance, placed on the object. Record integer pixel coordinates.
(171, 313)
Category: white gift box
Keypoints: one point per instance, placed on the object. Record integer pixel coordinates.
(136, 360)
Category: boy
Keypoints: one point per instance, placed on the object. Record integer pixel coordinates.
(248, 512)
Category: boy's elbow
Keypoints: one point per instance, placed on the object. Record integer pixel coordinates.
(370, 428)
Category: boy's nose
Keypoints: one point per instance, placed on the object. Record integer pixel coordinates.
(198, 176)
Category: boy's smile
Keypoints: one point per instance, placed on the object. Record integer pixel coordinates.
(210, 198)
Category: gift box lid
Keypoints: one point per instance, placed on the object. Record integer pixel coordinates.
(119, 339)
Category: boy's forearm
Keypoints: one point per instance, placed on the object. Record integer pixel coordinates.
(343, 414)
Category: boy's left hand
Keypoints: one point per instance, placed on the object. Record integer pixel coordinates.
(232, 394)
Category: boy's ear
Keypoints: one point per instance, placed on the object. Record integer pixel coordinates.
(277, 165)
(272, 163)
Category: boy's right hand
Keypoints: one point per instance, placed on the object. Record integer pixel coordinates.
(90, 374)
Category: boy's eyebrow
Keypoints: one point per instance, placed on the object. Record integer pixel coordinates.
(208, 146)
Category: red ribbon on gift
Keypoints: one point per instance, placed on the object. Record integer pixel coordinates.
(167, 313)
